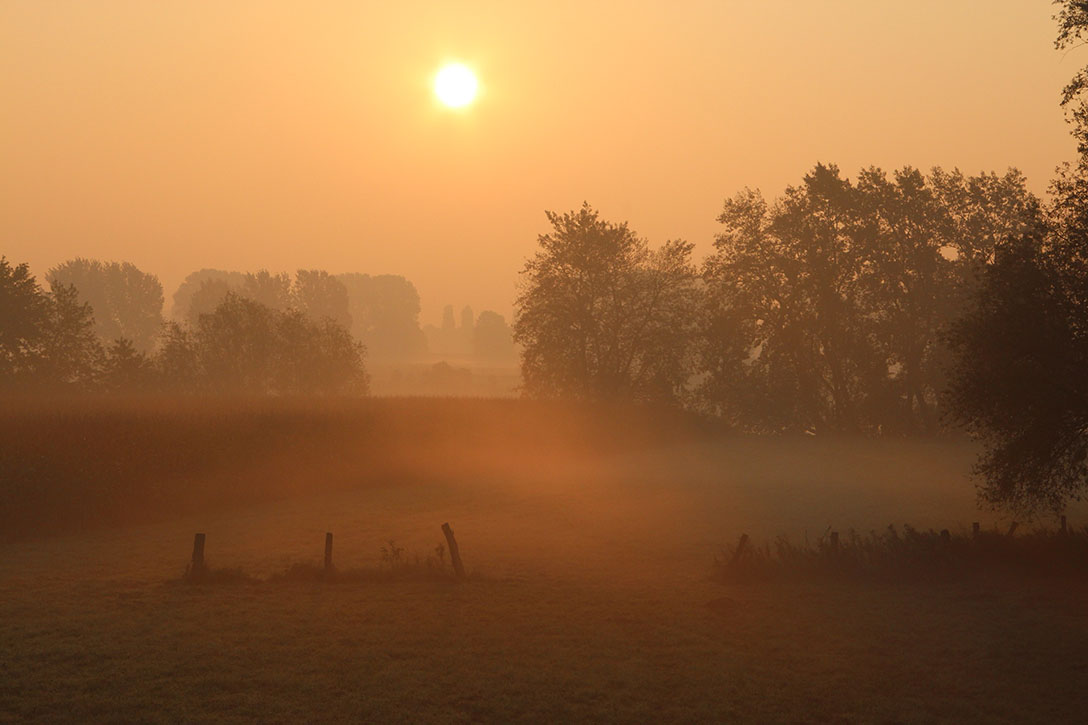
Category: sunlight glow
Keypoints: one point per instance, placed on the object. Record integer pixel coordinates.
(455, 85)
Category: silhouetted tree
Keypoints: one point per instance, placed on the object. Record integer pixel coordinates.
(126, 302)
(46, 339)
(385, 315)
(786, 337)
(126, 369)
(70, 354)
(24, 316)
(1019, 381)
(236, 346)
(177, 361)
(317, 357)
(207, 297)
(982, 212)
(319, 295)
(492, 340)
(246, 347)
(909, 292)
(602, 316)
(1068, 211)
(1021, 351)
(183, 296)
(270, 290)
(826, 310)
(1072, 20)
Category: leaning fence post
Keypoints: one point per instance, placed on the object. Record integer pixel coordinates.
(328, 552)
(198, 555)
(455, 553)
(741, 545)
(1012, 528)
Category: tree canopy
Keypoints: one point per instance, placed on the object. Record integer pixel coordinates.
(126, 302)
(1019, 382)
(48, 340)
(601, 315)
(384, 313)
(826, 309)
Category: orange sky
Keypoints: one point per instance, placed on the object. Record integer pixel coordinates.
(178, 134)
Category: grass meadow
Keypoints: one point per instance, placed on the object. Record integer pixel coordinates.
(590, 537)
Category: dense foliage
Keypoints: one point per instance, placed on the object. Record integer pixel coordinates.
(126, 301)
(1021, 351)
(602, 316)
(48, 341)
(825, 310)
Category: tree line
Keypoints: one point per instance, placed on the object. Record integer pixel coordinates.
(56, 340)
(100, 326)
(903, 303)
(886, 304)
(824, 310)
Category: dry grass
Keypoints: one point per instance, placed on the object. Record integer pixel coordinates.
(908, 554)
(593, 597)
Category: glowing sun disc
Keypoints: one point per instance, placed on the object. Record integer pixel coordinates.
(455, 85)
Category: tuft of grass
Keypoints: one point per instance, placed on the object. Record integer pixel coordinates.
(908, 554)
(395, 566)
(210, 575)
(300, 572)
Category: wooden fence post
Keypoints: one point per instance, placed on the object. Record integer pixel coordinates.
(741, 545)
(1065, 529)
(455, 553)
(1012, 528)
(198, 555)
(328, 552)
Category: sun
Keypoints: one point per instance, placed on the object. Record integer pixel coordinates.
(455, 85)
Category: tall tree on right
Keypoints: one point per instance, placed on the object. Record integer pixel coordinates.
(1019, 380)
(1021, 353)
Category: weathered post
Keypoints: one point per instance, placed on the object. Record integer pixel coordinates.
(1012, 528)
(741, 545)
(197, 567)
(455, 553)
(974, 530)
(328, 552)
(1065, 529)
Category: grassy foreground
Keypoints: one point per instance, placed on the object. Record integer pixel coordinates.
(592, 595)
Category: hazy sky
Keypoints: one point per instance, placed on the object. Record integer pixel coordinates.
(178, 134)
